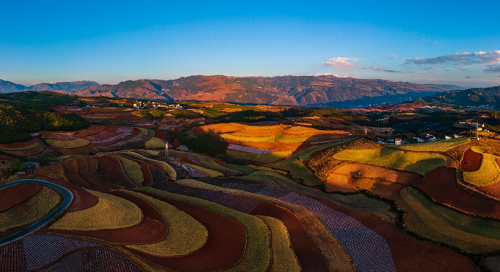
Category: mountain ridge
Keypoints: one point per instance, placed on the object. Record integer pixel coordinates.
(325, 91)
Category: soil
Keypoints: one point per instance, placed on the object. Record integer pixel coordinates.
(224, 248)
(471, 161)
(308, 254)
(440, 184)
(111, 169)
(16, 194)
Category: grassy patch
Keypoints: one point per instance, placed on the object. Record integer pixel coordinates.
(132, 170)
(185, 234)
(488, 173)
(111, 212)
(439, 146)
(296, 167)
(206, 161)
(258, 254)
(144, 131)
(416, 162)
(438, 223)
(241, 168)
(165, 167)
(31, 210)
(155, 143)
(263, 139)
(78, 142)
(284, 258)
(479, 149)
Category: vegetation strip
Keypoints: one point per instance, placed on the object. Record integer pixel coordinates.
(185, 236)
(416, 162)
(132, 170)
(77, 142)
(438, 146)
(487, 174)
(226, 242)
(111, 212)
(17, 194)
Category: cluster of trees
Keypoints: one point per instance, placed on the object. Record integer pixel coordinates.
(206, 144)
(16, 124)
(153, 114)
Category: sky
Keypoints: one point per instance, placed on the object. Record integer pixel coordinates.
(443, 42)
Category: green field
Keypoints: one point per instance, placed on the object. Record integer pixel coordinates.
(442, 224)
(154, 143)
(258, 253)
(488, 173)
(131, 169)
(185, 234)
(416, 162)
(78, 142)
(111, 212)
(438, 146)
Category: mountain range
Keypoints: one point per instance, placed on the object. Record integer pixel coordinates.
(326, 91)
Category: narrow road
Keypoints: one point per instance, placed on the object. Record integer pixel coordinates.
(68, 198)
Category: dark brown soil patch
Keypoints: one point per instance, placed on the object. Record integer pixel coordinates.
(111, 169)
(408, 253)
(93, 165)
(94, 129)
(471, 161)
(440, 184)
(12, 257)
(26, 153)
(85, 174)
(6, 158)
(308, 254)
(160, 134)
(16, 194)
(224, 248)
(111, 128)
(18, 144)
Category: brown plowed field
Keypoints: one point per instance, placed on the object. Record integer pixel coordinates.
(85, 172)
(152, 228)
(111, 128)
(26, 153)
(82, 199)
(18, 144)
(93, 171)
(94, 129)
(160, 134)
(308, 254)
(16, 194)
(224, 248)
(72, 170)
(6, 158)
(111, 169)
(84, 150)
(440, 184)
(146, 173)
(410, 254)
(471, 161)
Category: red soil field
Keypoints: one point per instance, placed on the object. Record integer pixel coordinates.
(101, 136)
(148, 126)
(26, 153)
(224, 248)
(63, 136)
(148, 179)
(111, 169)
(18, 144)
(136, 131)
(152, 228)
(16, 194)
(471, 161)
(82, 199)
(160, 134)
(84, 172)
(440, 184)
(111, 128)
(84, 150)
(94, 129)
(93, 164)
(308, 254)
(6, 158)
(72, 170)
(408, 253)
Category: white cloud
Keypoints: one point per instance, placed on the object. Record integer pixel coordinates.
(341, 63)
(464, 58)
(323, 74)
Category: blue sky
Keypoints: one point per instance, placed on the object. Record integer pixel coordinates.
(420, 41)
